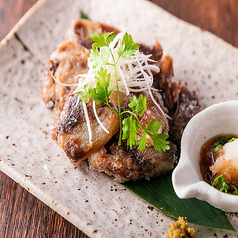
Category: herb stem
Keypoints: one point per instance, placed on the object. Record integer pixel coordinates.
(118, 96)
(119, 107)
(106, 103)
(133, 114)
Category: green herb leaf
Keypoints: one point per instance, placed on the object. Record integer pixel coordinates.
(99, 59)
(141, 106)
(84, 92)
(154, 126)
(104, 87)
(159, 140)
(138, 105)
(130, 125)
(133, 103)
(142, 142)
(127, 49)
(159, 193)
(102, 40)
(130, 128)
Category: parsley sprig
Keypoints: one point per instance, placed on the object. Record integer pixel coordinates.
(223, 186)
(106, 52)
(132, 123)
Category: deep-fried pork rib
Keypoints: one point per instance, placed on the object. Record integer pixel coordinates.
(156, 51)
(71, 132)
(81, 29)
(163, 82)
(127, 164)
(187, 107)
(69, 60)
(182, 104)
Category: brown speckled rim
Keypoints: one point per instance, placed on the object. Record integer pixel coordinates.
(26, 182)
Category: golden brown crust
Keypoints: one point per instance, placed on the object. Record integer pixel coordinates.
(71, 132)
(69, 60)
(82, 28)
(126, 164)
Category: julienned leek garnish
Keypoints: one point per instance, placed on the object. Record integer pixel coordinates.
(115, 63)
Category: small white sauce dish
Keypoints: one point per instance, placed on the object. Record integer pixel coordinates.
(218, 119)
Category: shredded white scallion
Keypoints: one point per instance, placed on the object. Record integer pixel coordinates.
(88, 122)
(123, 80)
(97, 118)
(149, 90)
(64, 84)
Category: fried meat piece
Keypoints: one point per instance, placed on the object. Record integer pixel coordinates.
(182, 104)
(71, 132)
(187, 107)
(163, 82)
(156, 51)
(81, 29)
(126, 164)
(69, 60)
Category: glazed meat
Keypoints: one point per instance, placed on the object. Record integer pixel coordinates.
(70, 129)
(69, 60)
(182, 104)
(156, 51)
(81, 29)
(71, 132)
(126, 164)
(187, 107)
(163, 82)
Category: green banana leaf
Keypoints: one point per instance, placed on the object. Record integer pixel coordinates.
(159, 193)
(83, 15)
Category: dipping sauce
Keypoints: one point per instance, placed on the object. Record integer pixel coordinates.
(208, 157)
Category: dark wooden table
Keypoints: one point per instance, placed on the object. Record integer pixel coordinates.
(21, 214)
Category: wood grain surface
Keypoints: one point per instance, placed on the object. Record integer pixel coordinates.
(22, 215)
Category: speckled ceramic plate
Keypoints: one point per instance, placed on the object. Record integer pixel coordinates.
(92, 201)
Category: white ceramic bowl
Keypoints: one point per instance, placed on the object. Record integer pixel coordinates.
(221, 118)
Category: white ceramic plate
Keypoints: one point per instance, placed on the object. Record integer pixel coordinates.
(92, 201)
